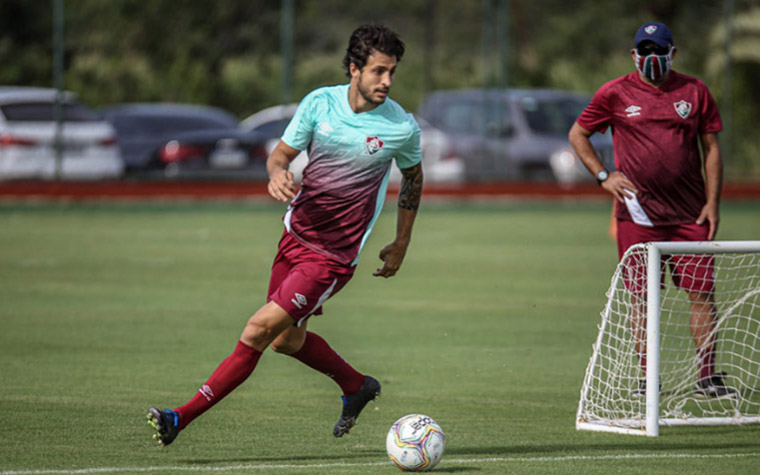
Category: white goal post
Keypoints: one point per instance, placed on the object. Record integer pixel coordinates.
(654, 335)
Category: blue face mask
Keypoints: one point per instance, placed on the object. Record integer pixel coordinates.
(654, 66)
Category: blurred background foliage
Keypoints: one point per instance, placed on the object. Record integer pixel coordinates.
(228, 53)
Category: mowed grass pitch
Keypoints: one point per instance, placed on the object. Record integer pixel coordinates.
(107, 309)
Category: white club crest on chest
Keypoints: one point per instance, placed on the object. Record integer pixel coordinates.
(683, 108)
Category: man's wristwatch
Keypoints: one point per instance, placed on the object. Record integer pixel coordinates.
(601, 176)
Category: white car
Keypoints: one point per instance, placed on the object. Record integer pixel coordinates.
(439, 162)
(28, 131)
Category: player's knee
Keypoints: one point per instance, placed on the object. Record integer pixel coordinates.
(258, 334)
(289, 342)
(284, 347)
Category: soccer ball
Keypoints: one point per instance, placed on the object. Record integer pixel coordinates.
(415, 443)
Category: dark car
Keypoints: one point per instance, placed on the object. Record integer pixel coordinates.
(186, 141)
(514, 134)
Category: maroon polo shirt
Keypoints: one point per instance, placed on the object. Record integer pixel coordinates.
(656, 138)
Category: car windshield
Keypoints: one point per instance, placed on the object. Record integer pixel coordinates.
(554, 116)
(45, 112)
(274, 128)
(475, 117)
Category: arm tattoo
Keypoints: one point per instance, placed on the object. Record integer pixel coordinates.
(411, 188)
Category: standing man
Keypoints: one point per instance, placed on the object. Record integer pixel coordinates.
(659, 119)
(352, 132)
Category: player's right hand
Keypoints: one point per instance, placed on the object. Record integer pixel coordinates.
(281, 186)
(619, 186)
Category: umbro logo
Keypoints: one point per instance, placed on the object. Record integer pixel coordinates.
(207, 392)
(324, 128)
(633, 111)
(299, 301)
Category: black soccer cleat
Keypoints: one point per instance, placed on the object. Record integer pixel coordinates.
(165, 423)
(641, 391)
(714, 387)
(353, 405)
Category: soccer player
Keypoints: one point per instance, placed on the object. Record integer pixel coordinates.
(659, 119)
(352, 132)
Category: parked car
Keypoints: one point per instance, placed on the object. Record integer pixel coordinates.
(186, 141)
(439, 162)
(514, 134)
(29, 137)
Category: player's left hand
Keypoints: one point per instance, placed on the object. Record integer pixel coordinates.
(392, 256)
(710, 213)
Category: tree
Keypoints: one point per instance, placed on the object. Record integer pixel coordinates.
(735, 57)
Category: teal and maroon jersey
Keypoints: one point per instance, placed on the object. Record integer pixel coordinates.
(346, 179)
(656, 138)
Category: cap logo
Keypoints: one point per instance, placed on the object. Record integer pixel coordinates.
(651, 29)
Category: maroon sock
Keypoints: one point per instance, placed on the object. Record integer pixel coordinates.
(643, 363)
(706, 358)
(317, 354)
(228, 375)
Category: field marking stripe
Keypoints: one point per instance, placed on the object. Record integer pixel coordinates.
(225, 468)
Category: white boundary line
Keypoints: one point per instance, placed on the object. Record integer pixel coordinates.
(226, 468)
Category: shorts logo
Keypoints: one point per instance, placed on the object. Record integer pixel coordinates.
(299, 301)
(683, 108)
(373, 144)
(633, 111)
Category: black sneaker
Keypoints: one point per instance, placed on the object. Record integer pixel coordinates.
(641, 391)
(165, 423)
(353, 405)
(714, 387)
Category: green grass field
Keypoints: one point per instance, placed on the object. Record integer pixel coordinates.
(107, 309)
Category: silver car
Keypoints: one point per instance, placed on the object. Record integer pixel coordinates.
(514, 134)
(28, 131)
(439, 161)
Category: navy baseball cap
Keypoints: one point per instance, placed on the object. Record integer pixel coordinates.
(654, 31)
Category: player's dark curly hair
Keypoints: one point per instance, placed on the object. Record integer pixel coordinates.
(367, 39)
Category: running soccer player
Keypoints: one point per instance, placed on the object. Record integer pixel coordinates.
(352, 132)
(659, 119)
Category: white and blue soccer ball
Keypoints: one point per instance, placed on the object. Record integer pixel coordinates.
(415, 443)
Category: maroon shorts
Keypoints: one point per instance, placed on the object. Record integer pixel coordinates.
(303, 279)
(693, 273)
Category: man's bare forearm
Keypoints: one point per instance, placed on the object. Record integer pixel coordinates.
(411, 188)
(408, 202)
(713, 168)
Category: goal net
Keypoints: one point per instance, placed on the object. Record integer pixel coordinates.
(658, 345)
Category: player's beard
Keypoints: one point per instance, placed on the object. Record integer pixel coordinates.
(367, 94)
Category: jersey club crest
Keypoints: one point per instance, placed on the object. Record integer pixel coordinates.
(373, 144)
(683, 108)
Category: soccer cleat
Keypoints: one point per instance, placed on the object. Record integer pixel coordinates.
(714, 387)
(641, 391)
(165, 423)
(353, 405)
